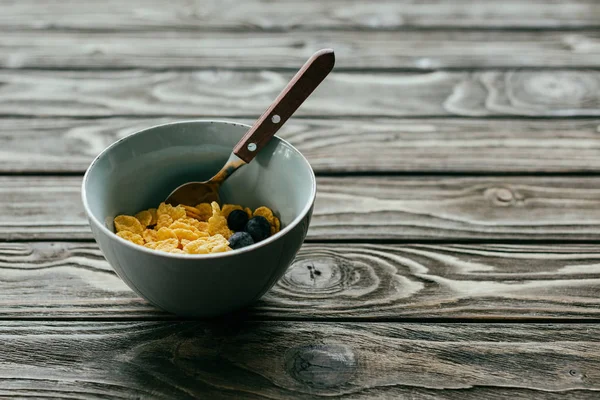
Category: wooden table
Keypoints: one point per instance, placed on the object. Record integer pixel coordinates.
(453, 252)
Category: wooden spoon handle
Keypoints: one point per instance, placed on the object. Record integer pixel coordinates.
(293, 95)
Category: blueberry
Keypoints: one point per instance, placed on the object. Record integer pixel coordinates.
(240, 239)
(259, 228)
(237, 220)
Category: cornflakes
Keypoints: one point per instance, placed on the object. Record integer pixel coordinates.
(164, 245)
(188, 235)
(276, 227)
(166, 233)
(174, 212)
(128, 223)
(152, 212)
(268, 214)
(132, 237)
(150, 235)
(191, 212)
(217, 224)
(144, 217)
(201, 226)
(204, 211)
(213, 244)
(180, 224)
(164, 221)
(188, 230)
(228, 208)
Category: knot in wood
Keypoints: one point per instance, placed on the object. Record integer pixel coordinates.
(321, 366)
(563, 88)
(502, 196)
(319, 275)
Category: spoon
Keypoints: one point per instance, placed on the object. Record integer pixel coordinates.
(292, 96)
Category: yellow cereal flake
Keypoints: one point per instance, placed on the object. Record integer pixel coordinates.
(228, 208)
(197, 247)
(152, 212)
(164, 221)
(183, 242)
(132, 237)
(163, 208)
(191, 211)
(204, 211)
(201, 226)
(164, 245)
(182, 224)
(168, 245)
(128, 223)
(150, 235)
(264, 212)
(178, 212)
(166, 233)
(213, 244)
(144, 217)
(188, 235)
(276, 226)
(248, 211)
(219, 244)
(174, 212)
(177, 251)
(221, 248)
(217, 224)
(268, 214)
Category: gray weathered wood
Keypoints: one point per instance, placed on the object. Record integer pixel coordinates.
(399, 208)
(372, 50)
(313, 14)
(283, 360)
(339, 145)
(59, 280)
(233, 93)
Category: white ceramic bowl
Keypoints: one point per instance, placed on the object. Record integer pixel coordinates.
(139, 171)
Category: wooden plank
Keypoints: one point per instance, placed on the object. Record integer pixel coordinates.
(283, 360)
(296, 14)
(59, 280)
(350, 208)
(559, 93)
(339, 145)
(372, 50)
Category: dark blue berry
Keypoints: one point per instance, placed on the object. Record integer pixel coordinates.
(259, 228)
(237, 220)
(240, 239)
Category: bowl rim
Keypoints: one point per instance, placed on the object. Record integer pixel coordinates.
(186, 256)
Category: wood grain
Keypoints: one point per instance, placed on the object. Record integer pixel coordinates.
(233, 93)
(364, 50)
(282, 360)
(350, 208)
(296, 14)
(66, 280)
(340, 145)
